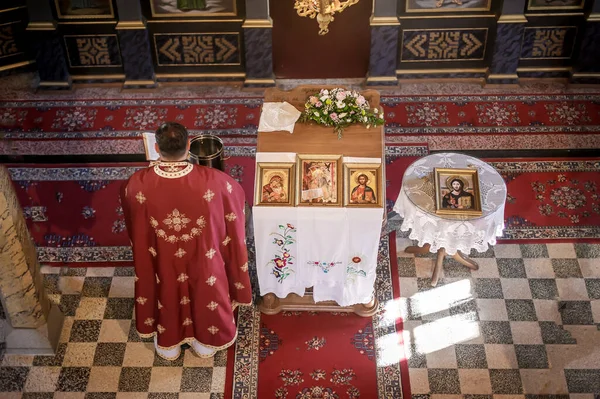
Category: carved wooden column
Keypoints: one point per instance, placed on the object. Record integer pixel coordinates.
(47, 47)
(258, 30)
(507, 48)
(135, 46)
(34, 323)
(587, 66)
(385, 29)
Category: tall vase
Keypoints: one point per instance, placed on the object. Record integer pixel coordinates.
(186, 5)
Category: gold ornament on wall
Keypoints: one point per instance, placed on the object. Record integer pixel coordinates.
(323, 10)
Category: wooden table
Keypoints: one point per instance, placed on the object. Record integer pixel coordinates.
(357, 141)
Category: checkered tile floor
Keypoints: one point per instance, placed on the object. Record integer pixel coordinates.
(100, 355)
(526, 323)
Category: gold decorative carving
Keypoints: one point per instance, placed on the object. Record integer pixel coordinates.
(93, 51)
(323, 10)
(444, 45)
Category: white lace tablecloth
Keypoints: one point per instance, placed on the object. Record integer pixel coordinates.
(416, 204)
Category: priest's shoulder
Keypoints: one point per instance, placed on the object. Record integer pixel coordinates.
(213, 173)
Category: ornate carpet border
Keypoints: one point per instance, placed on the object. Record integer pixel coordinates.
(391, 129)
(524, 166)
(552, 233)
(393, 100)
(245, 372)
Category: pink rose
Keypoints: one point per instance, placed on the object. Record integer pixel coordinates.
(340, 96)
(360, 100)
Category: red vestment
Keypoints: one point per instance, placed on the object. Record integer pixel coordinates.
(187, 227)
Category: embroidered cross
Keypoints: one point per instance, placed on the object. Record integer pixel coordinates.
(140, 197)
(245, 267)
(211, 280)
(239, 286)
(226, 241)
(213, 330)
(185, 300)
(160, 329)
(212, 306)
(182, 277)
(230, 217)
(187, 321)
(229, 187)
(149, 321)
(180, 253)
(157, 279)
(208, 196)
(141, 300)
(210, 253)
(152, 251)
(160, 306)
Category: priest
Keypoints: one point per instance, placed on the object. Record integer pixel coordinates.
(187, 229)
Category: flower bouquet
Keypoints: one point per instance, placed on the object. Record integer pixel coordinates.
(340, 108)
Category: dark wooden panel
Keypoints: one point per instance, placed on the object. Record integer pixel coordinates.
(300, 52)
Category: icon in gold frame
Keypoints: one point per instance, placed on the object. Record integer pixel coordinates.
(319, 180)
(274, 184)
(362, 185)
(457, 192)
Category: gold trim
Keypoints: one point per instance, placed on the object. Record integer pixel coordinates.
(201, 75)
(260, 81)
(347, 185)
(595, 17)
(194, 13)
(549, 58)
(122, 25)
(261, 168)
(441, 9)
(93, 66)
(587, 75)
(503, 76)
(452, 70)
(188, 341)
(258, 23)
(544, 69)
(15, 65)
(300, 158)
(384, 21)
(195, 21)
(402, 17)
(87, 77)
(451, 173)
(512, 19)
(106, 22)
(49, 83)
(41, 26)
(104, 16)
(402, 60)
(566, 14)
(532, 8)
(382, 79)
(197, 33)
(12, 9)
(138, 82)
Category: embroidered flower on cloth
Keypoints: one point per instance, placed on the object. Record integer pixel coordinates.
(140, 197)
(212, 305)
(213, 330)
(182, 277)
(160, 329)
(185, 300)
(282, 259)
(180, 253)
(210, 253)
(176, 220)
(149, 321)
(187, 321)
(239, 286)
(324, 266)
(208, 196)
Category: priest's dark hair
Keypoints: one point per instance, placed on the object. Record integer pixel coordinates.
(172, 138)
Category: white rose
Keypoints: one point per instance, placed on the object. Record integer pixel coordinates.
(343, 114)
(317, 114)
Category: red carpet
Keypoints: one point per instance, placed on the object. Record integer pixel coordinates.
(310, 355)
(74, 216)
(551, 200)
(97, 126)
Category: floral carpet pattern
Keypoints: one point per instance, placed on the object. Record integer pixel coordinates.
(352, 357)
(444, 122)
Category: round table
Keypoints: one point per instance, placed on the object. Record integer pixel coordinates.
(450, 234)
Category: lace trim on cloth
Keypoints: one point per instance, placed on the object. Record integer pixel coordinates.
(187, 340)
(173, 170)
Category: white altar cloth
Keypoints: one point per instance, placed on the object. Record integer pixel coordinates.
(332, 249)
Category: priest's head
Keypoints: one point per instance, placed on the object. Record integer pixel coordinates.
(172, 142)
